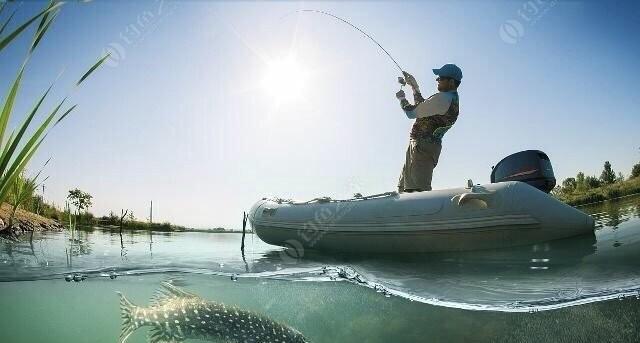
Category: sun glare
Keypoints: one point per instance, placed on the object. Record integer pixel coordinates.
(285, 79)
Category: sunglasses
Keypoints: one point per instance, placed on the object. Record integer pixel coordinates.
(443, 78)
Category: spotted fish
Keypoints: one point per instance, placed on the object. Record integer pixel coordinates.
(175, 315)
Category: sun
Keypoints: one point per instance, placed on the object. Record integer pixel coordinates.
(285, 79)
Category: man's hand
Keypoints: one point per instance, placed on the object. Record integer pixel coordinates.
(400, 95)
(411, 81)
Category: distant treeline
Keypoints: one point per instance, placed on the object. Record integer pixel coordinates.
(583, 189)
(33, 202)
(131, 223)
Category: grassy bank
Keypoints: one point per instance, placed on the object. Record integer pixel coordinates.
(35, 206)
(24, 221)
(586, 189)
(582, 196)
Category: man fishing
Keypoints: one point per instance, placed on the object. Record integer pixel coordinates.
(434, 117)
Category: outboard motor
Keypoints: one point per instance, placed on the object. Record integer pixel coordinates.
(529, 166)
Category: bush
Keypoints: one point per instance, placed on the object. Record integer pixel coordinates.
(592, 182)
(635, 171)
(608, 176)
(612, 193)
(569, 185)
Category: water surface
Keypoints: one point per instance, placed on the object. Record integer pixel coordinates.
(543, 292)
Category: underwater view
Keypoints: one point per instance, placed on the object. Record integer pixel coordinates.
(581, 289)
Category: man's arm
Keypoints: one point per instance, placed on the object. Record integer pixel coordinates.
(408, 108)
(436, 104)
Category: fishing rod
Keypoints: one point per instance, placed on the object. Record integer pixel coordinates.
(401, 80)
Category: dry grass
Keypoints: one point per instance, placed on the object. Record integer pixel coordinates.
(27, 221)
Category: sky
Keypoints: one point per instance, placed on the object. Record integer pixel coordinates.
(202, 111)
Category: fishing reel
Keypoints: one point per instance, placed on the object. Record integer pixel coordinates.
(402, 81)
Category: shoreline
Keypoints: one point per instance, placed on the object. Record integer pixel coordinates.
(125, 229)
(605, 200)
(24, 222)
(596, 195)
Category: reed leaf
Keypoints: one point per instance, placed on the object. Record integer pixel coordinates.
(45, 16)
(10, 178)
(9, 142)
(8, 103)
(26, 150)
(65, 114)
(16, 153)
(4, 26)
(93, 68)
(13, 35)
(45, 23)
(12, 146)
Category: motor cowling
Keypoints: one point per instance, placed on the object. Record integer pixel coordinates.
(530, 166)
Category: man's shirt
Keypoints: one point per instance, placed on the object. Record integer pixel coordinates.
(434, 115)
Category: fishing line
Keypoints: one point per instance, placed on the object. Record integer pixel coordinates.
(357, 28)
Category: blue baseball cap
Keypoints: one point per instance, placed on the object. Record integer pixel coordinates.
(449, 70)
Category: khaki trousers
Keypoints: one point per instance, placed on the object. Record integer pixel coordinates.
(421, 157)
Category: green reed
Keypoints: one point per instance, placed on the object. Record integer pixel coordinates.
(20, 146)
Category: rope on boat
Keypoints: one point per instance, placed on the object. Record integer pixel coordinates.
(321, 200)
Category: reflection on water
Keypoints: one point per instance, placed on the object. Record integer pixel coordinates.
(610, 214)
(545, 275)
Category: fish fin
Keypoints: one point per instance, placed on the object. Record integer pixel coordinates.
(169, 292)
(160, 297)
(126, 309)
(157, 335)
(177, 281)
(179, 292)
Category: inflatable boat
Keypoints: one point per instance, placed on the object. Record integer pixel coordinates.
(515, 209)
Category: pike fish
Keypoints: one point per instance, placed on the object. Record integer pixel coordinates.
(175, 315)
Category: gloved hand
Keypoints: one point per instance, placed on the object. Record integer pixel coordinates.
(400, 95)
(411, 81)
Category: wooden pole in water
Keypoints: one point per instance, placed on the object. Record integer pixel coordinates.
(244, 227)
(124, 213)
(150, 224)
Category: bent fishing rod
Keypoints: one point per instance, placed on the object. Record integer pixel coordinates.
(401, 80)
